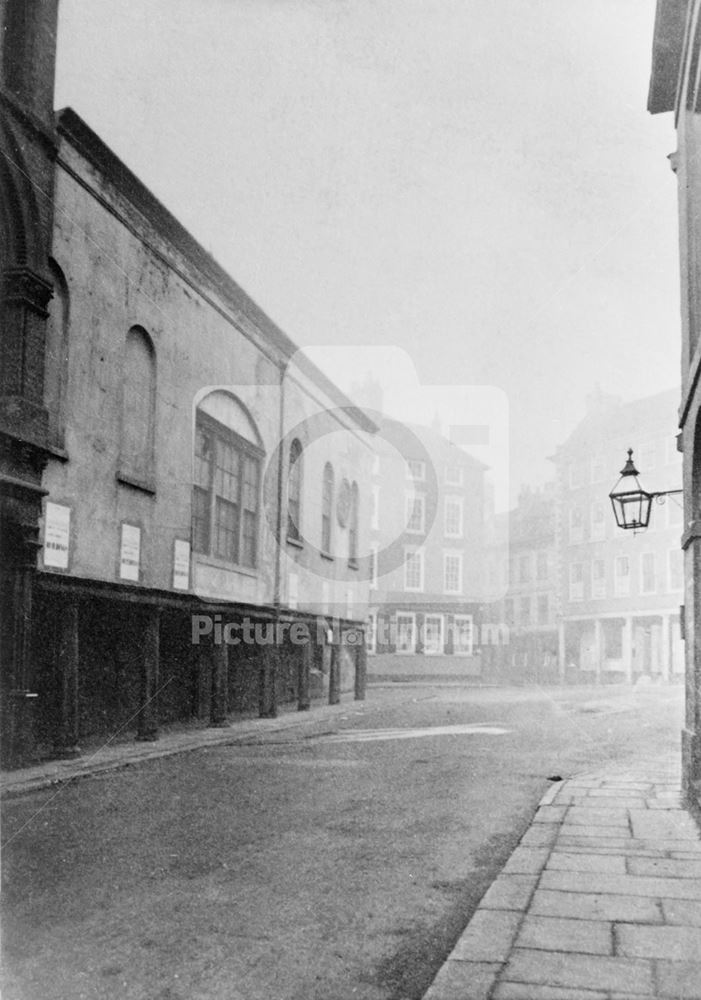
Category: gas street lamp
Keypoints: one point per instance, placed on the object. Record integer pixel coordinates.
(631, 503)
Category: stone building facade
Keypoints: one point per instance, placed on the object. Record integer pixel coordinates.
(675, 87)
(28, 143)
(190, 536)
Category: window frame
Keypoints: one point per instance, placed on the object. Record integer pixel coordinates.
(410, 501)
(328, 484)
(453, 555)
(408, 554)
(218, 432)
(295, 534)
(459, 503)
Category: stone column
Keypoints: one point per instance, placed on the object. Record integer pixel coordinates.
(361, 666)
(666, 648)
(220, 683)
(147, 724)
(267, 693)
(449, 638)
(66, 743)
(598, 649)
(627, 648)
(305, 666)
(335, 675)
(419, 637)
(561, 652)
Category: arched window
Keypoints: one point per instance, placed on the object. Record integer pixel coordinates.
(227, 475)
(56, 363)
(294, 492)
(326, 508)
(353, 520)
(138, 408)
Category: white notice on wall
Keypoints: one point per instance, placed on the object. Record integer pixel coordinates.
(130, 552)
(57, 531)
(181, 565)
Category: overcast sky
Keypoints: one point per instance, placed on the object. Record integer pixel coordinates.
(476, 182)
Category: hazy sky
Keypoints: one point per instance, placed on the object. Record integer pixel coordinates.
(474, 181)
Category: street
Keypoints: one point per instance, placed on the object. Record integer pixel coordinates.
(337, 860)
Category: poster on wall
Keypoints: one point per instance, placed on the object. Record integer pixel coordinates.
(181, 565)
(130, 552)
(57, 533)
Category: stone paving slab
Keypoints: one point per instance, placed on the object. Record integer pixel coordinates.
(561, 934)
(675, 943)
(581, 862)
(590, 906)
(576, 971)
(601, 900)
(529, 991)
(679, 980)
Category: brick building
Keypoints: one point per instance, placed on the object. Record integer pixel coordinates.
(426, 544)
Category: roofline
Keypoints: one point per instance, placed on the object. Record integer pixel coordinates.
(79, 134)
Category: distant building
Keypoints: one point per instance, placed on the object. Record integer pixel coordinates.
(620, 593)
(675, 86)
(519, 634)
(426, 534)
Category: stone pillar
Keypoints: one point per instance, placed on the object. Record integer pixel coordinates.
(335, 675)
(666, 648)
(220, 683)
(561, 652)
(66, 742)
(147, 723)
(598, 649)
(361, 666)
(305, 666)
(419, 638)
(627, 648)
(267, 693)
(449, 638)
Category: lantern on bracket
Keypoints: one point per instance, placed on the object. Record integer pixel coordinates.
(631, 503)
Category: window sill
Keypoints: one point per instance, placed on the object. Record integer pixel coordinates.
(353, 564)
(144, 485)
(295, 542)
(326, 555)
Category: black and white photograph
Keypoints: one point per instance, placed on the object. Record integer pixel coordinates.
(350, 500)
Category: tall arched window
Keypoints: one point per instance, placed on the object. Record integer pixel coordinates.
(326, 508)
(56, 356)
(138, 408)
(294, 492)
(353, 520)
(227, 476)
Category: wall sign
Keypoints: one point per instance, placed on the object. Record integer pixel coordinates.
(181, 565)
(57, 534)
(130, 553)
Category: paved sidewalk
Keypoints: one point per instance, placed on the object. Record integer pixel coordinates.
(601, 900)
(112, 756)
